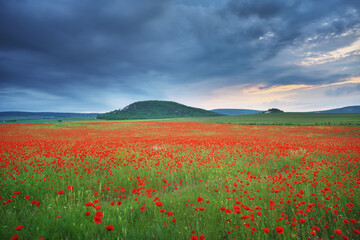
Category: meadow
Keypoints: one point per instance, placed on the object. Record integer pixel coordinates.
(179, 180)
(288, 118)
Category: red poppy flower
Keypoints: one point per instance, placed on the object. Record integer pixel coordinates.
(279, 230)
(266, 230)
(98, 220)
(302, 220)
(61, 192)
(159, 204)
(338, 231)
(109, 228)
(15, 237)
(315, 228)
(19, 227)
(201, 237)
(193, 237)
(200, 199)
(87, 213)
(142, 208)
(99, 214)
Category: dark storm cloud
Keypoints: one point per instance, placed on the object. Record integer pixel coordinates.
(73, 49)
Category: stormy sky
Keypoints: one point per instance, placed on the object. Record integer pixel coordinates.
(97, 56)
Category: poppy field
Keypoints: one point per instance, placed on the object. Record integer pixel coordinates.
(172, 180)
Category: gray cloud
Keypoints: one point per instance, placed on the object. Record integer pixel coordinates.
(343, 90)
(136, 49)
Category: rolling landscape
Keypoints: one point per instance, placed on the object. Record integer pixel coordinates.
(171, 111)
(180, 120)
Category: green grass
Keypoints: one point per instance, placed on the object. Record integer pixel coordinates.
(55, 120)
(297, 119)
(287, 119)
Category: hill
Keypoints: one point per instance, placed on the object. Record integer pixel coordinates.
(156, 110)
(18, 115)
(273, 110)
(349, 109)
(234, 112)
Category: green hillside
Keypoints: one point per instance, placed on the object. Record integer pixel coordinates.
(156, 110)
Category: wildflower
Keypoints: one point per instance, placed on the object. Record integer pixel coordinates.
(279, 230)
(98, 220)
(315, 228)
(19, 227)
(99, 214)
(338, 231)
(15, 237)
(109, 228)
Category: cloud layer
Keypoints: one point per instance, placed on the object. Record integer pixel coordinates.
(98, 56)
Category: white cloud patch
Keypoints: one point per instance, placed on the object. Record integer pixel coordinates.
(331, 56)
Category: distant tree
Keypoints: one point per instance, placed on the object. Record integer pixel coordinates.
(273, 110)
